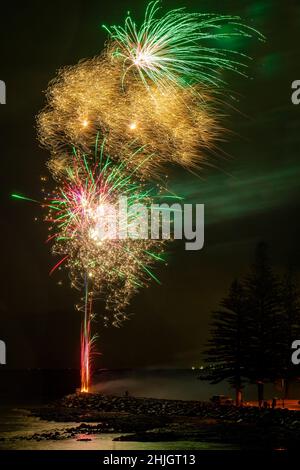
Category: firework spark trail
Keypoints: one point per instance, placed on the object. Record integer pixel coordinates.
(173, 48)
(86, 341)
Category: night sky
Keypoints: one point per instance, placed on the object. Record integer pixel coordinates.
(251, 191)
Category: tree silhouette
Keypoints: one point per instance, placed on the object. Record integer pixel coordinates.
(264, 320)
(226, 348)
(253, 330)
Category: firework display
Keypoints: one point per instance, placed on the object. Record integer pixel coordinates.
(155, 87)
(169, 125)
(108, 265)
(175, 47)
(115, 267)
(113, 123)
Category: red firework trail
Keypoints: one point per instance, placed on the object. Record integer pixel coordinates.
(86, 342)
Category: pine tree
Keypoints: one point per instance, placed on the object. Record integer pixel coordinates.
(264, 321)
(225, 353)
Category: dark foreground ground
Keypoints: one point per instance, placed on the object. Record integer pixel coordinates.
(153, 420)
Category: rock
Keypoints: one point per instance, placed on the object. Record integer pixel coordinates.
(96, 413)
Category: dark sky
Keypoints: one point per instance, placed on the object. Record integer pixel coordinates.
(251, 195)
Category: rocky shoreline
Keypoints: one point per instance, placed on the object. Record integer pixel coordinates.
(156, 420)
